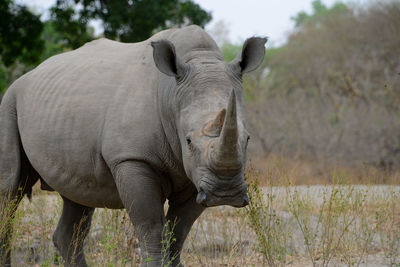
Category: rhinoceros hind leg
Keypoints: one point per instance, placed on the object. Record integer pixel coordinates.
(71, 231)
(17, 176)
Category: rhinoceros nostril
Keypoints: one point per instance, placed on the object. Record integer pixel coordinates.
(201, 198)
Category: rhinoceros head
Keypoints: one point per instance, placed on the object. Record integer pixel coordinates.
(208, 105)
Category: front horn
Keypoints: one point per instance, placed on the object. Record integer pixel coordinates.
(225, 153)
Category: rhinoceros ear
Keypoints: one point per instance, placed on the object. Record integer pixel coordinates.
(166, 59)
(251, 56)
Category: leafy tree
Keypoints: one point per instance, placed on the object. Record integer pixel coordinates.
(21, 43)
(127, 21)
(66, 24)
(319, 11)
(229, 51)
(20, 34)
(54, 41)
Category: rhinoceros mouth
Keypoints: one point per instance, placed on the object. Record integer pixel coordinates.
(239, 200)
(216, 191)
(226, 196)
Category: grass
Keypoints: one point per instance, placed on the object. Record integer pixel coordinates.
(270, 228)
(341, 224)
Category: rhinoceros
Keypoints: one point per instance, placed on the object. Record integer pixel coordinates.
(129, 125)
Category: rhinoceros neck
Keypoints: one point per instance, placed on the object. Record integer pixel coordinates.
(168, 117)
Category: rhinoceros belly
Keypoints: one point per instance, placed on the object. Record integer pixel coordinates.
(60, 123)
(74, 169)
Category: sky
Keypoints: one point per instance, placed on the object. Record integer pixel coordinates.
(246, 18)
(242, 18)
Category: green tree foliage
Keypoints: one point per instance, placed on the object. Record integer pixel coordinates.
(21, 43)
(319, 11)
(126, 21)
(230, 51)
(20, 34)
(68, 25)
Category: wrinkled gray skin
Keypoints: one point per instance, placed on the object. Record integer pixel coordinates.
(129, 126)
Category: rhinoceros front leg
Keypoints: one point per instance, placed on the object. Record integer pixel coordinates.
(141, 194)
(182, 212)
(71, 231)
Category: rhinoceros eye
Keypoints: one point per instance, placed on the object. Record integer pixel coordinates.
(188, 140)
